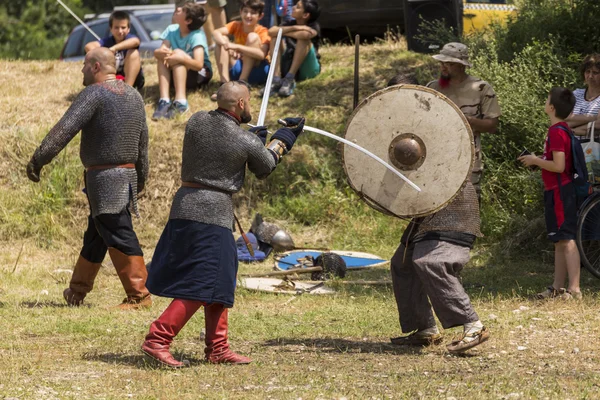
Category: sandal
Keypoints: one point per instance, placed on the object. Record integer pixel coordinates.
(417, 339)
(468, 341)
(568, 295)
(549, 293)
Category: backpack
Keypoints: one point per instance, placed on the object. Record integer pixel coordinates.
(583, 188)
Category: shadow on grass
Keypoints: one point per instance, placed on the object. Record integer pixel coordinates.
(331, 345)
(137, 360)
(47, 303)
(151, 93)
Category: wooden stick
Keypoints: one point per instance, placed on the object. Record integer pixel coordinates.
(361, 282)
(18, 258)
(290, 271)
(356, 54)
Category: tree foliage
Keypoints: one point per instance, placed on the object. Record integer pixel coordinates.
(571, 23)
(37, 29)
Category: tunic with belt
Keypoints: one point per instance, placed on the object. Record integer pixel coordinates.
(196, 257)
(112, 121)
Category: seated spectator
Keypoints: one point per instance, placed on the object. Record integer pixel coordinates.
(299, 60)
(125, 46)
(245, 58)
(183, 56)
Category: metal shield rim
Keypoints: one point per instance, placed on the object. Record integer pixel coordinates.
(372, 203)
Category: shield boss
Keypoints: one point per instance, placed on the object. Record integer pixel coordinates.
(422, 134)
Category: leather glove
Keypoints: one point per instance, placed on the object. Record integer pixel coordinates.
(261, 132)
(295, 125)
(287, 136)
(33, 171)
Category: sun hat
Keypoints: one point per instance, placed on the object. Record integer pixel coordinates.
(454, 52)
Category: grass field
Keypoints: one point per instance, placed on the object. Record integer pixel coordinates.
(303, 347)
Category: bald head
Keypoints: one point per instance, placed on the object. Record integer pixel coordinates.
(104, 57)
(98, 66)
(234, 97)
(230, 93)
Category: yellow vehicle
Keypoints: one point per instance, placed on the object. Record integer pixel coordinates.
(478, 14)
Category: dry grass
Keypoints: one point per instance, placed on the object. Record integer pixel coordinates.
(303, 347)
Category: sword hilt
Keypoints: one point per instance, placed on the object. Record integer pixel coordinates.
(283, 122)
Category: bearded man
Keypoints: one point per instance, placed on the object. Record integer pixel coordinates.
(475, 98)
(195, 261)
(434, 249)
(114, 151)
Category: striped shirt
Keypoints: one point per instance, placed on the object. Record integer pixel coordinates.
(584, 107)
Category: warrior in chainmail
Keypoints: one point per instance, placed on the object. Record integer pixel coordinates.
(425, 268)
(114, 151)
(195, 261)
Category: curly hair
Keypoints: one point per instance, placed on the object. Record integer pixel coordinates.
(591, 61)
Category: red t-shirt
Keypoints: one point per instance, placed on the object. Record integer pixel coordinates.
(558, 140)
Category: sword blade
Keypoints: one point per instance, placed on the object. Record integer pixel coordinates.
(265, 101)
(365, 151)
(79, 20)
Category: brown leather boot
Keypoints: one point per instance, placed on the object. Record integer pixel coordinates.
(133, 274)
(82, 281)
(217, 347)
(165, 328)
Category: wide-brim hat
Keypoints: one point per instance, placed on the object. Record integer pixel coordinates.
(454, 52)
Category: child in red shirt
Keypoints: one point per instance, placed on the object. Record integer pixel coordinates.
(560, 201)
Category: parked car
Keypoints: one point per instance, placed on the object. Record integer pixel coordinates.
(147, 23)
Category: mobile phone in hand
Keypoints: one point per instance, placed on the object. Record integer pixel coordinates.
(525, 152)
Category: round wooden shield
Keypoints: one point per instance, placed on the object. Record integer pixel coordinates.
(420, 133)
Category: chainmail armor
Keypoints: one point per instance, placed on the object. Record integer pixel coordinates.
(215, 153)
(461, 215)
(112, 121)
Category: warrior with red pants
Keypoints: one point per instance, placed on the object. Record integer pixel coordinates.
(195, 261)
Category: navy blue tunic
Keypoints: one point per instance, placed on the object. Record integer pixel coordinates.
(194, 261)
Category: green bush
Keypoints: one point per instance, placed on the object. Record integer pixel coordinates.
(571, 23)
(511, 192)
(32, 30)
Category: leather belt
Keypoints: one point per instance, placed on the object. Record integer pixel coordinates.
(197, 185)
(109, 166)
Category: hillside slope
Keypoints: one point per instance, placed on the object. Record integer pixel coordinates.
(308, 194)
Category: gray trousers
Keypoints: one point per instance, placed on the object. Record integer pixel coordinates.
(429, 272)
